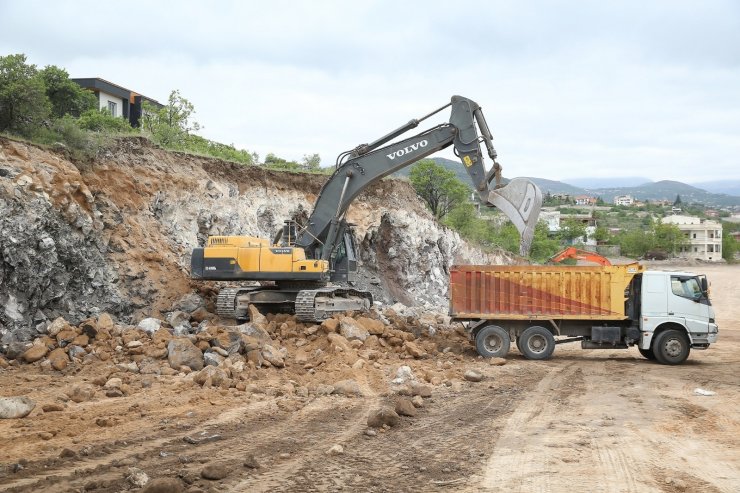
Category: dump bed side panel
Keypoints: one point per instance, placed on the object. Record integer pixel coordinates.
(539, 292)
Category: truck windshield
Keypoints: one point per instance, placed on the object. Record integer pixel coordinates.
(686, 287)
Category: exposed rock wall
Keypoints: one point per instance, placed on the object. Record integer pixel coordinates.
(116, 235)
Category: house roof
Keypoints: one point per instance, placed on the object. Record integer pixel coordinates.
(96, 83)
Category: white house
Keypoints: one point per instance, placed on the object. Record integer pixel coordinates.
(623, 200)
(121, 102)
(704, 236)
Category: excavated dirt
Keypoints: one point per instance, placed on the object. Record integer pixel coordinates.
(582, 421)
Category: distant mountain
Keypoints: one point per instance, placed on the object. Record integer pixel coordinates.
(622, 181)
(647, 190)
(729, 187)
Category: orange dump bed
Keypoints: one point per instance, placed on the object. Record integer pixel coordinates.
(530, 292)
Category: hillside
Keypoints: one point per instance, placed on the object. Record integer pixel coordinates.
(660, 190)
(116, 235)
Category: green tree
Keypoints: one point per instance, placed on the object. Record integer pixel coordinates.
(65, 96)
(171, 124)
(601, 234)
(102, 121)
(669, 238)
(572, 229)
(23, 102)
(543, 247)
(677, 202)
(438, 187)
(311, 161)
(729, 247)
(272, 161)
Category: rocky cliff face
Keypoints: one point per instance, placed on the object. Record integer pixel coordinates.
(115, 235)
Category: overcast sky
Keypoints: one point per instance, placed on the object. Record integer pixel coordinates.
(569, 89)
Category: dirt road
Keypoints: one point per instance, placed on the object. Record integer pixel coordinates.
(582, 421)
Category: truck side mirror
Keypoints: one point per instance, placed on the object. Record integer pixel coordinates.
(704, 285)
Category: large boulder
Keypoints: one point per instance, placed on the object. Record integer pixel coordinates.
(384, 416)
(15, 407)
(351, 330)
(182, 352)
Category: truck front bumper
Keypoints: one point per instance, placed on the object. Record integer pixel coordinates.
(705, 339)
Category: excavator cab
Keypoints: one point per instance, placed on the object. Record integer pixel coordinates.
(344, 263)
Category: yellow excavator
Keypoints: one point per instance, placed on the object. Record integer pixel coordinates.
(312, 267)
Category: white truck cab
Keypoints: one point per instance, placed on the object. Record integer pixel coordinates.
(676, 315)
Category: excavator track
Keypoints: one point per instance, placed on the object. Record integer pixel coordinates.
(310, 309)
(226, 302)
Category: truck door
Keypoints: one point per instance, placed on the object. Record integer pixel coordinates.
(687, 300)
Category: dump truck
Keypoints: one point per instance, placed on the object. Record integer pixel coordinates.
(665, 314)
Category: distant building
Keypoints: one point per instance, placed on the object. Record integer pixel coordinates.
(561, 196)
(623, 200)
(121, 102)
(584, 200)
(704, 236)
(736, 235)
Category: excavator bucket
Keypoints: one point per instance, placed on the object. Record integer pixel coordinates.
(520, 200)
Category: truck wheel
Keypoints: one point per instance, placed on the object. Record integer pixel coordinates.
(492, 342)
(537, 343)
(671, 347)
(647, 353)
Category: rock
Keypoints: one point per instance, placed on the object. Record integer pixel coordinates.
(201, 314)
(330, 325)
(497, 361)
(250, 462)
(215, 471)
(322, 389)
(136, 477)
(67, 453)
(273, 356)
(76, 352)
(114, 393)
(52, 407)
(164, 485)
(374, 327)
(16, 348)
(254, 356)
(384, 416)
(414, 350)
(16, 407)
(113, 383)
(34, 353)
(58, 325)
(256, 317)
(370, 432)
(210, 374)
(58, 359)
(336, 450)
(472, 376)
(178, 317)
(403, 375)
(404, 407)
(252, 330)
(347, 388)
(182, 352)
(104, 322)
(149, 325)
(81, 393)
(421, 390)
(338, 341)
(189, 303)
(212, 358)
(417, 401)
(351, 330)
(129, 367)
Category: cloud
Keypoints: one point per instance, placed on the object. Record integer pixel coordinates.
(568, 88)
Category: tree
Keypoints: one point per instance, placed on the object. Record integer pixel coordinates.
(65, 96)
(171, 124)
(729, 247)
(311, 161)
(102, 121)
(601, 234)
(571, 230)
(677, 202)
(438, 187)
(23, 101)
(669, 238)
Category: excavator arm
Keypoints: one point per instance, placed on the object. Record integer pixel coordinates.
(359, 168)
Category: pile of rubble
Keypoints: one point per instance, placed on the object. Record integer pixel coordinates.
(197, 346)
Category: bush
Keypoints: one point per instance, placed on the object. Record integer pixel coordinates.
(80, 144)
(102, 121)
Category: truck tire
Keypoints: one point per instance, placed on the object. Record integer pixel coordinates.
(492, 342)
(537, 343)
(671, 347)
(647, 353)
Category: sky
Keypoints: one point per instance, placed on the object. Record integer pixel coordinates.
(569, 89)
